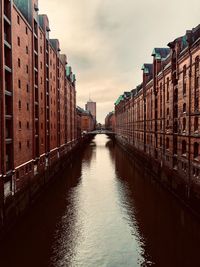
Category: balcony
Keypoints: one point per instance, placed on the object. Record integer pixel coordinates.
(35, 30)
(36, 112)
(8, 106)
(7, 9)
(7, 32)
(7, 20)
(8, 141)
(7, 58)
(8, 157)
(8, 130)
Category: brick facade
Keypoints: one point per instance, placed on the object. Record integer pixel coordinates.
(110, 122)
(160, 117)
(37, 97)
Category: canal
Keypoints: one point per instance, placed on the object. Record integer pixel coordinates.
(104, 211)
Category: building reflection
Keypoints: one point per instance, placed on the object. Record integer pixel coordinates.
(169, 235)
(38, 232)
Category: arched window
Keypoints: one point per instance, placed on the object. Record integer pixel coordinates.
(19, 104)
(167, 88)
(196, 150)
(167, 111)
(196, 85)
(197, 63)
(176, 111)
(184, 80)
(196, 124)
(176, 95)
(167, 143)
(184, 107)
(184, 147)
(184, 124)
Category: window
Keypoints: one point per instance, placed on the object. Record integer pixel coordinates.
(19, 104)
(196, 62)
(196, 150)
(27, 125)
(176, 111)
(41, 49)
(176, 95)
(167, 111)
(196, 85)
(167, 88)
(18, 19)
(26, 30)
(184, 107)
(160, 141)
(183, 147)
(196, 124)
(19, 62)
(26, 68)
(184, 124)
(27, 106)
(18, 41)
(184, 80)
(167, 143)
(20, 145)
(27, 88)
(27, 50)
(20, 125)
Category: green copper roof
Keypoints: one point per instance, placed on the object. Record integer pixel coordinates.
(119, 99)
(74, 77)
(156, 54)
(68, 71)
(145, 69)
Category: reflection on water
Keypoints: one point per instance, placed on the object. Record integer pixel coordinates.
(104, 211)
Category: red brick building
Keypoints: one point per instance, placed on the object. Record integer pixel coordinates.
(86, 122)
(160, 118)
(37, 97)
(110, 122)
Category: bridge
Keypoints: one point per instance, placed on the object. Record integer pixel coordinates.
(103, 131)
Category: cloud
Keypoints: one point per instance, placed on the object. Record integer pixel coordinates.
(107, 41)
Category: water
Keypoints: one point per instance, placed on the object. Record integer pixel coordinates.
(104, 211)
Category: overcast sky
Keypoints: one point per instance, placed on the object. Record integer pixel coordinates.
(107, 41)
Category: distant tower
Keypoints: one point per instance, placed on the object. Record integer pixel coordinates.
(91, 107)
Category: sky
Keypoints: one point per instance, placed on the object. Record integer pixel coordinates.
(107, 41)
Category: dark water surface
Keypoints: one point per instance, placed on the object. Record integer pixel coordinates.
(104, 211)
